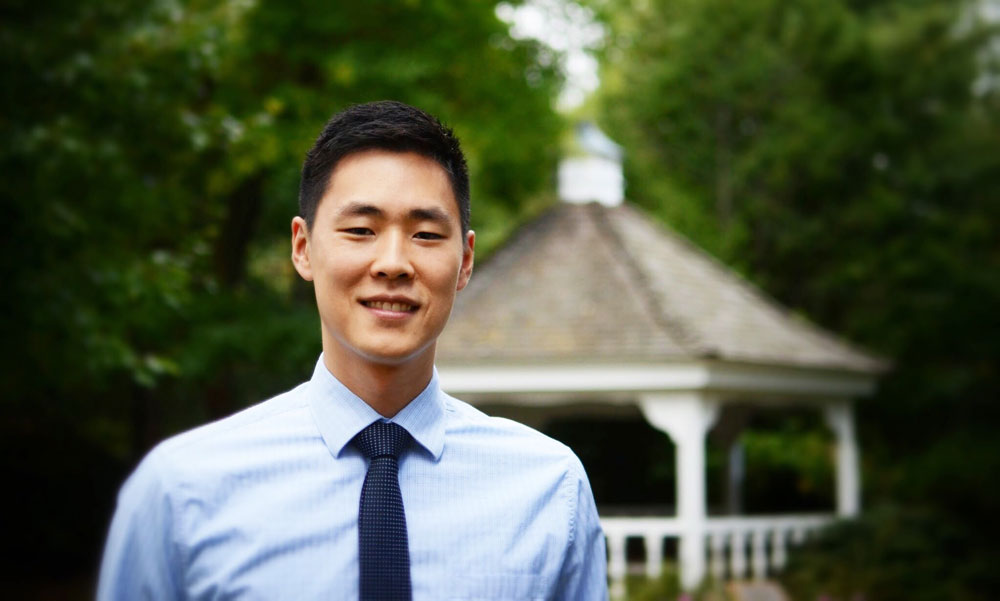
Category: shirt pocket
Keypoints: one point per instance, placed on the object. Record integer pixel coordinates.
(499, 586)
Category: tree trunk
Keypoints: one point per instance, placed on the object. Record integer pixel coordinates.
(242, 213)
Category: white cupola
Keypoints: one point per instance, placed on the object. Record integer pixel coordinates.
(594, 173)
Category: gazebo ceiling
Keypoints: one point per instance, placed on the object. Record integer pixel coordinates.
(598, 284)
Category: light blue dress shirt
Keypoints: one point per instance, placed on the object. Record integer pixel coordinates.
(264, 505)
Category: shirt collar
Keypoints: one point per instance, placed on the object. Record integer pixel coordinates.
(340, 414)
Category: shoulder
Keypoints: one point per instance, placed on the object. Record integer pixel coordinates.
(246, 422)
(501, 439)
(225, 444)
(525, 468)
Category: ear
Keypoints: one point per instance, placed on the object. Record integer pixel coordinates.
(301, 249)
(468, 254)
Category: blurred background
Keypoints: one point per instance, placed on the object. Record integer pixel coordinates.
(844, 155)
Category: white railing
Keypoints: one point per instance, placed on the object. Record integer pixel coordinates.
(737, 546)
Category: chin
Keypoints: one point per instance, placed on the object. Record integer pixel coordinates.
(391, 356)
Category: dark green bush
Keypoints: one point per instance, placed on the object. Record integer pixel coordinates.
(892, 554)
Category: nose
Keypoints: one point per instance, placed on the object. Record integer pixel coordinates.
(391, 258)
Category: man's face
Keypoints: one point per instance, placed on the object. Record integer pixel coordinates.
(386, 254)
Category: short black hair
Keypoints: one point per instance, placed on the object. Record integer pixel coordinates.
(382, 125)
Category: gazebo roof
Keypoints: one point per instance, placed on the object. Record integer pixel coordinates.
(591, 283)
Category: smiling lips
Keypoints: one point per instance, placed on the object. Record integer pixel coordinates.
(395, 307)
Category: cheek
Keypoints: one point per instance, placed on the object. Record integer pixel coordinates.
(446, 282)
(334, 288)
(341, 266)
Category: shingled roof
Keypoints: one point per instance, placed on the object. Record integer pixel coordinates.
(606, 284)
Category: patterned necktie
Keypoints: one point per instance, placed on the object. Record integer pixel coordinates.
(383, 550)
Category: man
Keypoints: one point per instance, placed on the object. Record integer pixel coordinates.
(366, 481)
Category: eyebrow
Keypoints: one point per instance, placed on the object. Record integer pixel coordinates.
(356, 209)
(360, 209)
(433, 214)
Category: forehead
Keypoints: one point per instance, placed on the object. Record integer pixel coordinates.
(389, 180)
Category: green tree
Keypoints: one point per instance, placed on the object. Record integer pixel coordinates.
(150, 156)
(846, 156)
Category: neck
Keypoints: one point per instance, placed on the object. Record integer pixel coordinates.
(386, 388)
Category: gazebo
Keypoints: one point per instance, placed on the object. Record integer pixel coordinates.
(595, 309)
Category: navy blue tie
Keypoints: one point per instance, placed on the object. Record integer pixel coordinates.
(383, 550)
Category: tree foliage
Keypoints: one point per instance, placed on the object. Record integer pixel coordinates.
(150, 157)
(846, 156)
(891, 554)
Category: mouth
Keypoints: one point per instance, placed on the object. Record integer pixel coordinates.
(394, 306)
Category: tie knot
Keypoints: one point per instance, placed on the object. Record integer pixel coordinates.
(382, 439)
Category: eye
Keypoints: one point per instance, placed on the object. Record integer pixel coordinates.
(428, 236)
(358, 231)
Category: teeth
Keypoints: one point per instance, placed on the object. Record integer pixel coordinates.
(385, 306)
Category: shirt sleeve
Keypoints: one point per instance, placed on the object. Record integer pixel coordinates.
(584, 576)
(140, 560)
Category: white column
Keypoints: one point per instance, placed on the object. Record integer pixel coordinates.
(654, 556)
(616, 564)
(717, 548)
(738, 554)
(758, 554)
(686, 417)
(840, 418)
(778, 552)
(735, 475)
